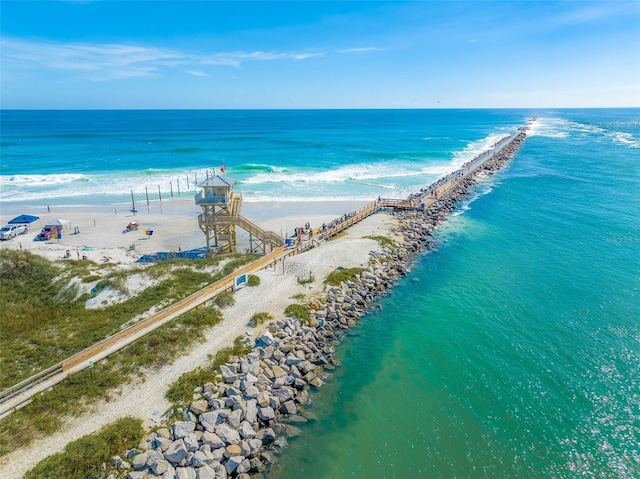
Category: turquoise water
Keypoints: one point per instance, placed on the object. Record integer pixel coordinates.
(63, 158)
(514, 350)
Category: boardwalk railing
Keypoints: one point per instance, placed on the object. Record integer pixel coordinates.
(121, 339)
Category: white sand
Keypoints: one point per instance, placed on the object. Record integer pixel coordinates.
(178, 227)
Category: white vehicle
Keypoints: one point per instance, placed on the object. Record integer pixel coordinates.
(9, 231)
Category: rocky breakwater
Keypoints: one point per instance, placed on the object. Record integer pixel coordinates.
(417, 226)
(234, 428)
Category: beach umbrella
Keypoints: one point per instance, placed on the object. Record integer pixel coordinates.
(58, 223)
(23, 219)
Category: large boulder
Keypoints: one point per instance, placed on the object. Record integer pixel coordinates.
(182, 429)
(228, 434)
(212, 440)
(185, 473)
(209, 420)
(176, 452)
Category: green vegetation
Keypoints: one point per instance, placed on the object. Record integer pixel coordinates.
(308, 280)
(224, 300)
(260, 318)
(44, 415)
(253, 280)
(299, 296)
(383, 240)
(340, 276)
(45, 321)
(180, 393)
(298, 311)
(83, 458)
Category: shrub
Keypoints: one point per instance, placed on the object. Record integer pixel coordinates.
(180, 393)
(253, 280)
(308, 280)
(298, 311)
(339, 276)
(84, 457)
(260, 318)
(224, 300)
(383, 240)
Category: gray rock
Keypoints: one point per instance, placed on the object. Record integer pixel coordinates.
(254, 446)
(136, 475)
(284, 394)
(252, 411)
(199, 406)
(235, 418)
(232, 463)
(244, 466)
(185, 473)
(209, 420)
(212, 440)
(216, 404)
(289, 407)
(267, 436)
(265, 340)
(279, 444)
(228, 373)
(176, 452)
(200, 459)
(206, 472)
(160, 466)
(191, 442)
(248, 380)
(228, 434)
(263, 399)
(140, 460)
(251, 392)
(266, 413)
(182, 429)
(246, 431)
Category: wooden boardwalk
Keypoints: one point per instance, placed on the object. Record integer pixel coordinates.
(21, 394)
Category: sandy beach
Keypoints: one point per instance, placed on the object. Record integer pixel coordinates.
(174, 225)
(173, 228)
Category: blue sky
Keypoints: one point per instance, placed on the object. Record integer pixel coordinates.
(331, 54)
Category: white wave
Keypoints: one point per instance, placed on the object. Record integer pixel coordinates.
(342, 174)
(475, 148)
(549, 128)
(39, 180)
(625, 139)
(562, 128)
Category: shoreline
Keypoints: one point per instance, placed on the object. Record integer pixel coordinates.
(414, 233)
(173, 230)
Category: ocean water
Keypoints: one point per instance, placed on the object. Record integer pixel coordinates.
(513, 351)
(63, 158)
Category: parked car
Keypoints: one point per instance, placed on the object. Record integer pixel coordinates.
(9, 231)
(48, 232)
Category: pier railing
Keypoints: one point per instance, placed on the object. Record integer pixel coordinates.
(21, 393)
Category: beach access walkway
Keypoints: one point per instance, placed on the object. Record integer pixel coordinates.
(20, 394)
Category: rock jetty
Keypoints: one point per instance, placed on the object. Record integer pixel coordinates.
(236, 427)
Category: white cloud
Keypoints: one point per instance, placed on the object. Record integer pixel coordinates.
(111, 61)
(361, 50)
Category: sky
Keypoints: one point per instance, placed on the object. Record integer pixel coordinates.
(329, 54)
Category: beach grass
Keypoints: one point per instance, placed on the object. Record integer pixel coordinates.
(180, 393)
(30, 344)
(299, 311)
(84, 457)
(339, 276)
